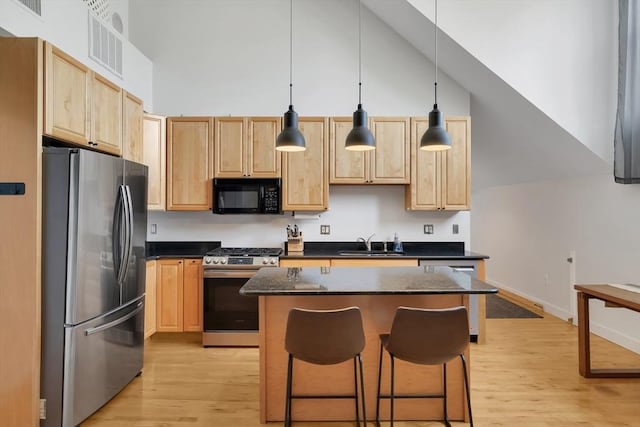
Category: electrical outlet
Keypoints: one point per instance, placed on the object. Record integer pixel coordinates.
(154, 228)
(325, 229)
(455, 229)
(428, 229)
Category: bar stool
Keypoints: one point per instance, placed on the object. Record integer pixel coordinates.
(426, 337)
(325, 337)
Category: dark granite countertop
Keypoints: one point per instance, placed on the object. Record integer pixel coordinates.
(363, 280)
(419, 250)
(155, 250)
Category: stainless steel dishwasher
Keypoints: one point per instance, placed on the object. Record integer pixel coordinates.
(469, 267)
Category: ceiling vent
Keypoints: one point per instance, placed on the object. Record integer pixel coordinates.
(33, 5)
(105, 45)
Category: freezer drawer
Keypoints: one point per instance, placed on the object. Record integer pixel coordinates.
(101, 357)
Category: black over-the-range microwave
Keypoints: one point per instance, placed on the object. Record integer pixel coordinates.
(246, 196)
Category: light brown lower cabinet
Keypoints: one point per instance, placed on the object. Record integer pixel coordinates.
(150, 300)
(179, 295)
(349, 262)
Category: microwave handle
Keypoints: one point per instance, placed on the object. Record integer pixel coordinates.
(261, 199)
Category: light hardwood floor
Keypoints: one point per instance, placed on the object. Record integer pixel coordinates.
(526, 376)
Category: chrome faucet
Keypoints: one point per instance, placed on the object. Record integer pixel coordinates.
(366, 241)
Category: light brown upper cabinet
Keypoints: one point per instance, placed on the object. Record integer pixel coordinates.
(345, 166)
(67, 89)
(387, 164)
(132, 141)
(81, 106)
(154, 156)
(246, 147)
(305, 174)
(189, 163)
(440, 180)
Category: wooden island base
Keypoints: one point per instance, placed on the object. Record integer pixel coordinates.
(377, 312)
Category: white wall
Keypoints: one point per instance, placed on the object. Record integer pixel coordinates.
(355, 211)
(65, 23)
(560, 55)
(531, 229)
(232, 57)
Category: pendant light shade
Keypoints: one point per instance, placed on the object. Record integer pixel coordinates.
(290, 139)
(360, 138)
(436, 137)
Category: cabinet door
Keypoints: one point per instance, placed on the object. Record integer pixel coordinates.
(154, 156)
(189, 163)
(67, 86)
(345, 167)
(424, 191)
(106, 115)
(150, 300)
(456, 165)
(390, 159)
(169, 294)
(192, 315)
(263, 161)
(356, 262)
(305, 174)
(132, 144)
(230, 150)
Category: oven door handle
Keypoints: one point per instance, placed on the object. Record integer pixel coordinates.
(221, 274)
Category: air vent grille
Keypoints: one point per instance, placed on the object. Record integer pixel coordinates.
(105, 45)
(34, 5)
(100, 8)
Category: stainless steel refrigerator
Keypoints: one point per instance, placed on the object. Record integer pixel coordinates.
(93, 278)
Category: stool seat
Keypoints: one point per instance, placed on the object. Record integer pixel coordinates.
(325, 337)
(426, 337)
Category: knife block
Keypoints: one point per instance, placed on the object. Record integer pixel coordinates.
(295, 244)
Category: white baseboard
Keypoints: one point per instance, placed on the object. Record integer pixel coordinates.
(623, 340)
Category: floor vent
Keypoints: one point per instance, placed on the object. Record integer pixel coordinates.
(105, 45)
(34, 5)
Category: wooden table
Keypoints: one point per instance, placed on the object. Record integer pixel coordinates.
(612, 297)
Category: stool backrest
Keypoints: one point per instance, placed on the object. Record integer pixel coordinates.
(324, 337)
(429, 336)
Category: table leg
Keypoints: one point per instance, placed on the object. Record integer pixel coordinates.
(584, 344)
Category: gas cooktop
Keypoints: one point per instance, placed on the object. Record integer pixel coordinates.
(248, 252)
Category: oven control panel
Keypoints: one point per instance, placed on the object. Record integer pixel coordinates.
(254, 262)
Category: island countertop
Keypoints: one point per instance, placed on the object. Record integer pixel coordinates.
(363, 281)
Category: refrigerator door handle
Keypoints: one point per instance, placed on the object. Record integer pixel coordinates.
(116, 244)
(113, 323)
(122, 233)
(128, 220)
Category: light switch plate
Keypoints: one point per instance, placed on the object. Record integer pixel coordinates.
(325, 229)
(428, 229)
(455, 229)
(154, 228)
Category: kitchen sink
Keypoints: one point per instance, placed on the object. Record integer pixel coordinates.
(369, 253)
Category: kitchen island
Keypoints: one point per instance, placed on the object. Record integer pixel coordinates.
(378, 292)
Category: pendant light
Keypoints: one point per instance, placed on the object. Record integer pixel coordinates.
(360, 138)
(436, 137)
(290, 139)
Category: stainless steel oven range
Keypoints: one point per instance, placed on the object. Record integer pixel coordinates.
(231, 319)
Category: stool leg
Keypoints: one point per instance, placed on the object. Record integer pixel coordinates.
(355, 384)
(364, 408)
(392, 382)
(466, 387)
(287, 409)
(379, 381)
(444, 400)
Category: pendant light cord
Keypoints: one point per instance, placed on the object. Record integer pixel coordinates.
(359, 52)
(291, 52)
(435, 36)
